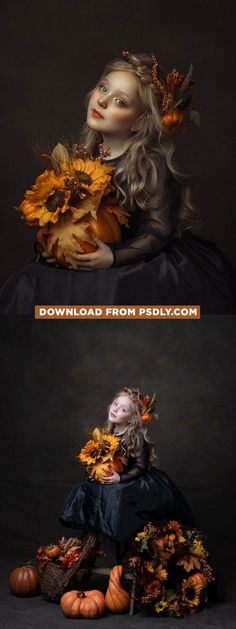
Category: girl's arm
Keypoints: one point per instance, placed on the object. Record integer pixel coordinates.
(137, 464)
(153, 227)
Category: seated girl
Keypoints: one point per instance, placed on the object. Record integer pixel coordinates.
(133, 114)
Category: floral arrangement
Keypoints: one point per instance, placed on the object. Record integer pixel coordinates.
(148, 408)
(65, 553)
(101, 455)
(69, 203)
(172, 574)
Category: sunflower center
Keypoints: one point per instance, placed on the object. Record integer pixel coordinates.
(104, 450)
(94, 453)
(55, 200)
(84, 177)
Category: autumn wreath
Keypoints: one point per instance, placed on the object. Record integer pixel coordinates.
(70, 204)
(101, 455)
(170, 567)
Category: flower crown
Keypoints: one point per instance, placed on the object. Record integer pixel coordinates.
(146, 404)
(174, 95)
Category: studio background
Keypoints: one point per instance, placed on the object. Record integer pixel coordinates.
(52, 55)
(57, 382)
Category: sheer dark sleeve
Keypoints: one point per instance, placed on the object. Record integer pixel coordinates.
(136, 465)
(154, 227)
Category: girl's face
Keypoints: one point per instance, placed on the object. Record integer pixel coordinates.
(121, 410)
(115, 104)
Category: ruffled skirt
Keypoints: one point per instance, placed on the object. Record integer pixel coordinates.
(119, 510)
(191, 271)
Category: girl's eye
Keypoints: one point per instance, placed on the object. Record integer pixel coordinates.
(102, 88)
(120, 102)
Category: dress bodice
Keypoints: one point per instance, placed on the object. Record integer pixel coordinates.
(152, 229)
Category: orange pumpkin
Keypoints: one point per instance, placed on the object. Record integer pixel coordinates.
(117, 599)
(64, 239)
(174, 121)
(99, 470)
(116, 466)
(90, 604)
(24, 581)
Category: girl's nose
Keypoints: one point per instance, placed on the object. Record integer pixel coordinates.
(102, 101)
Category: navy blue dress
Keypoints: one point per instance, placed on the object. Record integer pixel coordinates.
(119, 510)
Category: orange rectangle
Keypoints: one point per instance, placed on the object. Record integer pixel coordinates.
(117, 312)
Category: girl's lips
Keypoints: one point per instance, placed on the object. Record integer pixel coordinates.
(112, 414)
(96, 113)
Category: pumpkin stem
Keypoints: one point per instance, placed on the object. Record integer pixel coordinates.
(81, 595)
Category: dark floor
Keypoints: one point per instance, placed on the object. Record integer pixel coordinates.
(35, 613)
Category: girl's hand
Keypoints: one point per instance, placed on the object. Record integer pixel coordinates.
(102, 258)
(115, 478)
(48, 257)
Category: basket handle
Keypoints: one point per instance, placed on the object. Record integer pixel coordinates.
(90, 543)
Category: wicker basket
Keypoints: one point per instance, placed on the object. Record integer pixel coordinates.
(54, 581)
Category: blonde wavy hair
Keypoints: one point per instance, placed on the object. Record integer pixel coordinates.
(136, 174)
(135, 432)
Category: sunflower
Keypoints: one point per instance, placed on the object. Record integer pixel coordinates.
(198, 549)
(102, 455)
(90, 453)
(160, 606)
(191, 592)
(93, 175)
(176, 531)
(140, 536)
(103, 446)
(161, 573)
(47, 200)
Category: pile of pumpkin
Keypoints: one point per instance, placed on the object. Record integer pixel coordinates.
(24, 581)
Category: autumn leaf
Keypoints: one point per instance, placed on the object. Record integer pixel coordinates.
(188, 562)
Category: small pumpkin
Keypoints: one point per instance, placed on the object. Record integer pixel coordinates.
(174, 121)
(24, 581)
(89, 604)
(52, 551)
(117, 600)
(64, 239)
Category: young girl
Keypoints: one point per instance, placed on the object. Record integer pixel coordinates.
(132, 115)
(124, 502)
